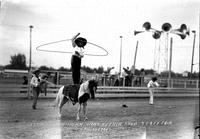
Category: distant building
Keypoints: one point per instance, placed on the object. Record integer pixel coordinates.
(14, 73)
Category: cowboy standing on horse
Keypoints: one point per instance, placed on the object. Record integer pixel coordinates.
(78, 44)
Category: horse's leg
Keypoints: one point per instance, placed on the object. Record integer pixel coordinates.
(84, 110)
(60, 104)
(63, 100)
(58, 97)
(78, 113)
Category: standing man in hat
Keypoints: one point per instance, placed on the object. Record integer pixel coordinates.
(152, 84)
(36, 87)
(37, 83)
(78, 45)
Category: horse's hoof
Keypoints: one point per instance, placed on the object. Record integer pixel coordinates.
(85, 119)
(77, 119)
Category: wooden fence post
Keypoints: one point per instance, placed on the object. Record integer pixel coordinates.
(185, 84)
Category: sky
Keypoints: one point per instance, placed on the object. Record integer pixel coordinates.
(101, 22)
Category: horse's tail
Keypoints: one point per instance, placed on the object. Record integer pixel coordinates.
(58, 96)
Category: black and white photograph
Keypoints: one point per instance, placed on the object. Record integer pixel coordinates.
(99, 69)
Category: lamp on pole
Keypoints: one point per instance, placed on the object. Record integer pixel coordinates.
(183, 31)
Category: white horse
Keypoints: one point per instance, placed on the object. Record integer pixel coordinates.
(76, 93)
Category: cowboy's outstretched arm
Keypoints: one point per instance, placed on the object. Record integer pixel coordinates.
(73, 39)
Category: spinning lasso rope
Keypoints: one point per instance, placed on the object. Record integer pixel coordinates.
(39, 48)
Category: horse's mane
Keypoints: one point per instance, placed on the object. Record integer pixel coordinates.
(93, 82)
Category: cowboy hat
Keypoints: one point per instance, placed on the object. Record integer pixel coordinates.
(80, 42)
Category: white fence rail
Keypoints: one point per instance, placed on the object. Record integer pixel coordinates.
(139, 82)
(105, 90)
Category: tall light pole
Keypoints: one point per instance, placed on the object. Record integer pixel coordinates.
(135, 58)
(120, 62)
(30, 54)
(199, 50)
(170, 62)
(193, 51)
(30, 59)
(120, 67)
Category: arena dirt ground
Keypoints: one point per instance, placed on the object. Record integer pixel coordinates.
(169, 118)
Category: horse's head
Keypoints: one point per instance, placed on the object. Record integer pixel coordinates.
(93, 87)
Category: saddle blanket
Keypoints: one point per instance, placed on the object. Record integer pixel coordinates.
(71, 91)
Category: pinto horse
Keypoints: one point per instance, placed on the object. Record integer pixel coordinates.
(76, 93)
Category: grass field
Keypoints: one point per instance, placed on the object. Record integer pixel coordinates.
(169, 118)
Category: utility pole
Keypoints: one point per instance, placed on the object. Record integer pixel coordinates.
(133, 71)
(170, 62)
(193, 51)
(199, 50)
(120, 62)
(30, 54)
(30, 59)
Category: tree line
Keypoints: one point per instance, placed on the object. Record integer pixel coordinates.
(18, 61)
